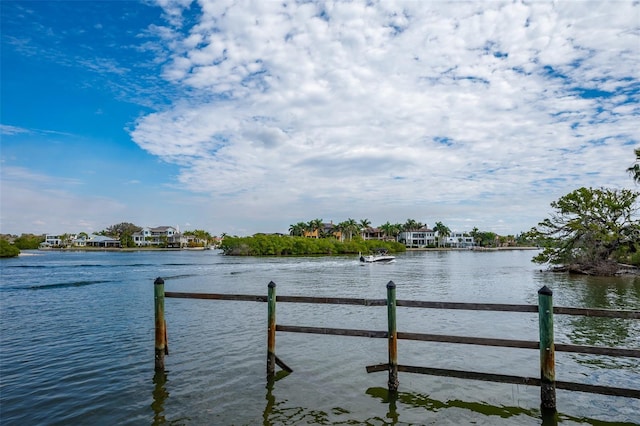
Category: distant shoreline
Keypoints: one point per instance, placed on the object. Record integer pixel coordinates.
(152, 249)
(124, 249)
(472, 249)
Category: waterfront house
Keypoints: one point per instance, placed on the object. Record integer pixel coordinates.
(420, 238)
(167, 236)
(102, 241)
(58, 241)
(327, 229)
(372, 234)
(459, 240)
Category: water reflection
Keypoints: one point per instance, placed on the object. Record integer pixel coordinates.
(160, 395)
(271, 406)
(399, 400)
(617, 293)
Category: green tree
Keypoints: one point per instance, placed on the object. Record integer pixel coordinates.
(411, 225)
(316, 225)
(443, 232)
(7, 249)
(28, 241)
(387, 228)
(364, 225)
(122, 231)
(590, 231)
(65, 240)
(390, 230)
(634, 170)
(202, 238)
(475, 234)
(298, 229)
(277, 245)
(351, 227)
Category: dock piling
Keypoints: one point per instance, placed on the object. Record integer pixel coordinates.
(547, 350)
(271, 329)
(161, 348)
(393, 337)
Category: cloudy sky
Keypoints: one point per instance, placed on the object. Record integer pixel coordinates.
(250, 116)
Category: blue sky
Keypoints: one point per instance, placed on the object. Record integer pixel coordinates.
(250, 116)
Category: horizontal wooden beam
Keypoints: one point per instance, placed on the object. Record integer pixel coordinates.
(604, 313)
(332, 331)
(516, 380)
(214, 296)
(481, 341)
(467, 306)
(598, 350)
(607, 313)
(332, 300)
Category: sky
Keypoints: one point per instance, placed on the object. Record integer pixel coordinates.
(240, 117)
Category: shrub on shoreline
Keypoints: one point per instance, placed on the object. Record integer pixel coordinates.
(284, 245)
(7, 249)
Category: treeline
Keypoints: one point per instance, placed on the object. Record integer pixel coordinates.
(285, 245)
(24, 241)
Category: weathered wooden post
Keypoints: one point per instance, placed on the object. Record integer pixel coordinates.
(161, 326)
(271, 329)
(393, 337)
(547, 350)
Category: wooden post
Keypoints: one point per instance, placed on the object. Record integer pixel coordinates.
(271, 330)
(161, 326)
(393, 337)
(547, 350)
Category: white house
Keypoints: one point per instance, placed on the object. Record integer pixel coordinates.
(161, 235)
(102, 241)
(420, 238)
(459, 240)
(51, 240)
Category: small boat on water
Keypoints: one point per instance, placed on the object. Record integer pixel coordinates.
(380, 256)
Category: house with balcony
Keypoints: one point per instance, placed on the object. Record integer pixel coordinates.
(459, 240)
(50, 241)
(372, 234)
(58, 241)
(166, 236)
(420, 238)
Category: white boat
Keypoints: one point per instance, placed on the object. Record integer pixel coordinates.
(380, 256)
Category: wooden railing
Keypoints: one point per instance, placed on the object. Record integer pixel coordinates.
(545, 345)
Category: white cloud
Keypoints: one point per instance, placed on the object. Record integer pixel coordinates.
(404, 109)
(12, 130)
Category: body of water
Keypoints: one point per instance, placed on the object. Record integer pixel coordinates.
(77, 341)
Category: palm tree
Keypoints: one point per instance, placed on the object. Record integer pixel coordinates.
(342, 228)
(635, 169)
(298, 229)
(387, 228)
(411, 225)
(442, 231)
(315, 225)
(391, 230)
(396, 228)
(351, 227)
(364, 225)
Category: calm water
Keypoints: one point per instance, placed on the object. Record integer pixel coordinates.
(77, 341)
